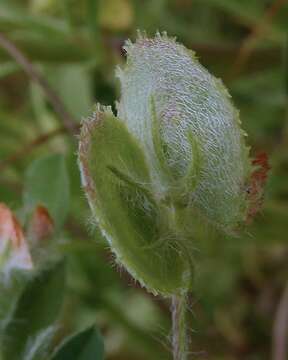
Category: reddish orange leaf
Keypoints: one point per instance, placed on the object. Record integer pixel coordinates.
(41, 225)
(257, 182)
(11, 235)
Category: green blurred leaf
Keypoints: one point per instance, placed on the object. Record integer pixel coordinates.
(251, 12)
(35, 312)
(10, 292)
(69, 82)
(14, 18)
(38, 346)
(92, 12)
(48, 48)
(86, 345)
(47, 183)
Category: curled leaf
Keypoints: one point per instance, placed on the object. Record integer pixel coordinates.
(116, 180)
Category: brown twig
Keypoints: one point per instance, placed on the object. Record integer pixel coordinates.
(258, 30)
(17, 155)
(280, 329)
(35, 75)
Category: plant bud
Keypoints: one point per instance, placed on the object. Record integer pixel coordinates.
(175, 152)
(188, 127)
(14, 251)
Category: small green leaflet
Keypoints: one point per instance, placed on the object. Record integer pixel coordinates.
(37, 310)
(47, 184)
(85, 345)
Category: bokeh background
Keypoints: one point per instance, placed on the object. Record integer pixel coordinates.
(240, 288)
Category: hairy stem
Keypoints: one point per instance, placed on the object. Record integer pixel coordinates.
(179, 327)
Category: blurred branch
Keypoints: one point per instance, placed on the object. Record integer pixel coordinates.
(13, 186)
(18, 155)
(35, 75)
(258, 30)
(285, 66)
(280, 329)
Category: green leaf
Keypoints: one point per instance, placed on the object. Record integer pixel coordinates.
(10, 292)
(92, 12)
(38, 346)
(39, 47)
(85, 345)
(35, 312)
(69, 82)
(47, 184)
(15, 18)
(117, 181)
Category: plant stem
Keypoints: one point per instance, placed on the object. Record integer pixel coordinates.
(36, 76)
(179, 327)
(280, 329)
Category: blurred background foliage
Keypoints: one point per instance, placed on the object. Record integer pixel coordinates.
(75, 45)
